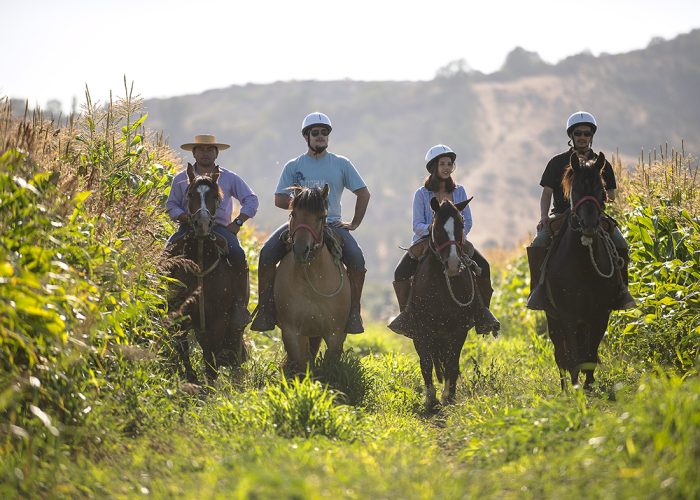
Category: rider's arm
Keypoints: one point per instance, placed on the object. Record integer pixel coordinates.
(282, 201)
(545, 202)
(360, 207)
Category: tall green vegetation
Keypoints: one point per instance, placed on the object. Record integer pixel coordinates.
(90, 404)
(80, 233)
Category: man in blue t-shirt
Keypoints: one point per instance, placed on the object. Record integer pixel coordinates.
(316, 167)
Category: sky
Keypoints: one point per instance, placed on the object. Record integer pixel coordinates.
(52, 49)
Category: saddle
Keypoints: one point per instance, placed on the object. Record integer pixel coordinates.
(419, 249)
(557, 222)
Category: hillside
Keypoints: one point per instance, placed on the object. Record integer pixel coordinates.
(504, 126)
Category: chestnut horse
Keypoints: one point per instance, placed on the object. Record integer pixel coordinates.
(581, 274)
(204, 297)
(444, 303)
(311, 288)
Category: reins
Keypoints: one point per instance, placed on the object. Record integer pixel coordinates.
(464, 266)
(319, 243)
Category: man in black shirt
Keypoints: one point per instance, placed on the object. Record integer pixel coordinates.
(580, 127)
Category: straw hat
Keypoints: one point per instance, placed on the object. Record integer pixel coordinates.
(204, 140)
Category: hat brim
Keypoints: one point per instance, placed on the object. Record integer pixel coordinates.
(191, 145)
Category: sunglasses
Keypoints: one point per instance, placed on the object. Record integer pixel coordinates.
(324, 132)
(579, 133)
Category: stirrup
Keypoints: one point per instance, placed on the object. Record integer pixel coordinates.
(487, 324)
(537, 299)
(264, 320)
(624, 301)
(354, 323)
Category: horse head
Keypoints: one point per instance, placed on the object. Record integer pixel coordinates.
(584, 187)
(307, 220)
(203, 198)
(447, 233)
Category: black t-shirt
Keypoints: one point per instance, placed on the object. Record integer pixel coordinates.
(554, 173)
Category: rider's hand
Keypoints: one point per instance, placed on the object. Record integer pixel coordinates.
(541, 224)
(345, 225)
(233, 227)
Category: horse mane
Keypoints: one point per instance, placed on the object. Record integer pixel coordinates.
(568, 179)
(309, 198)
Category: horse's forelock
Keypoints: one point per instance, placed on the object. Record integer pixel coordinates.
(205, 179)
(310, 199)
(448, 210)
(587, 170)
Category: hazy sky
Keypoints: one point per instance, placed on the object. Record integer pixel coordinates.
(52, 48)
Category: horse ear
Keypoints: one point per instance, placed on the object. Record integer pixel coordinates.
(600, 162)
(460, 206)
(574, 161)
(434, 204)
(190, 172)
(324, 191)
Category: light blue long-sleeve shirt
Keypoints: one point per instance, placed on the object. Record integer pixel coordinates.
(231, 185)
(423, 213)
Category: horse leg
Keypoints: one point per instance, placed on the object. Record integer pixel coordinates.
(298, 350)
(182, 347)
(453, 350)
(561, 357)
(335, 346)
(210, 371)
(314, 346)
(426, 369)
(590, 379)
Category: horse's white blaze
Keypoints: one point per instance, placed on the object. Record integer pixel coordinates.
(452, 259)
(203, 190)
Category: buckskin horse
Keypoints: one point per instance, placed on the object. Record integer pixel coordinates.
(444, 302)
(581, 273)
(311, 289)
(208, 285)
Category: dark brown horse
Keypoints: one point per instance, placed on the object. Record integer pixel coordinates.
(204, 297)
(444, 303)
(581, 274)
(311, 288)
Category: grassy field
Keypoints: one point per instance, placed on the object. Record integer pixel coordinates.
(511, 433)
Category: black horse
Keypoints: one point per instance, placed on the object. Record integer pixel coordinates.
(207, 286)
(444, 302)
(582, 273)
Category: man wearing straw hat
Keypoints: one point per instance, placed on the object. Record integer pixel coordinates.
(205, 150)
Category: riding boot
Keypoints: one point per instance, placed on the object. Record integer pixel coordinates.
(538, 296)
(265, 312)
(240, 289)
(357, 280)
(624, 299)
(403, 293)
(486, 322)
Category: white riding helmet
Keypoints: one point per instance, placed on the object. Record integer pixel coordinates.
(313, 119)
(580, 118)
(436, 152)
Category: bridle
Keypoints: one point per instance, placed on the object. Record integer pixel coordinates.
(318, 243)
(464, 264)
(203, 205)
(614, 260)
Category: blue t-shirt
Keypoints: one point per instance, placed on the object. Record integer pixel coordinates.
(336, 171)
